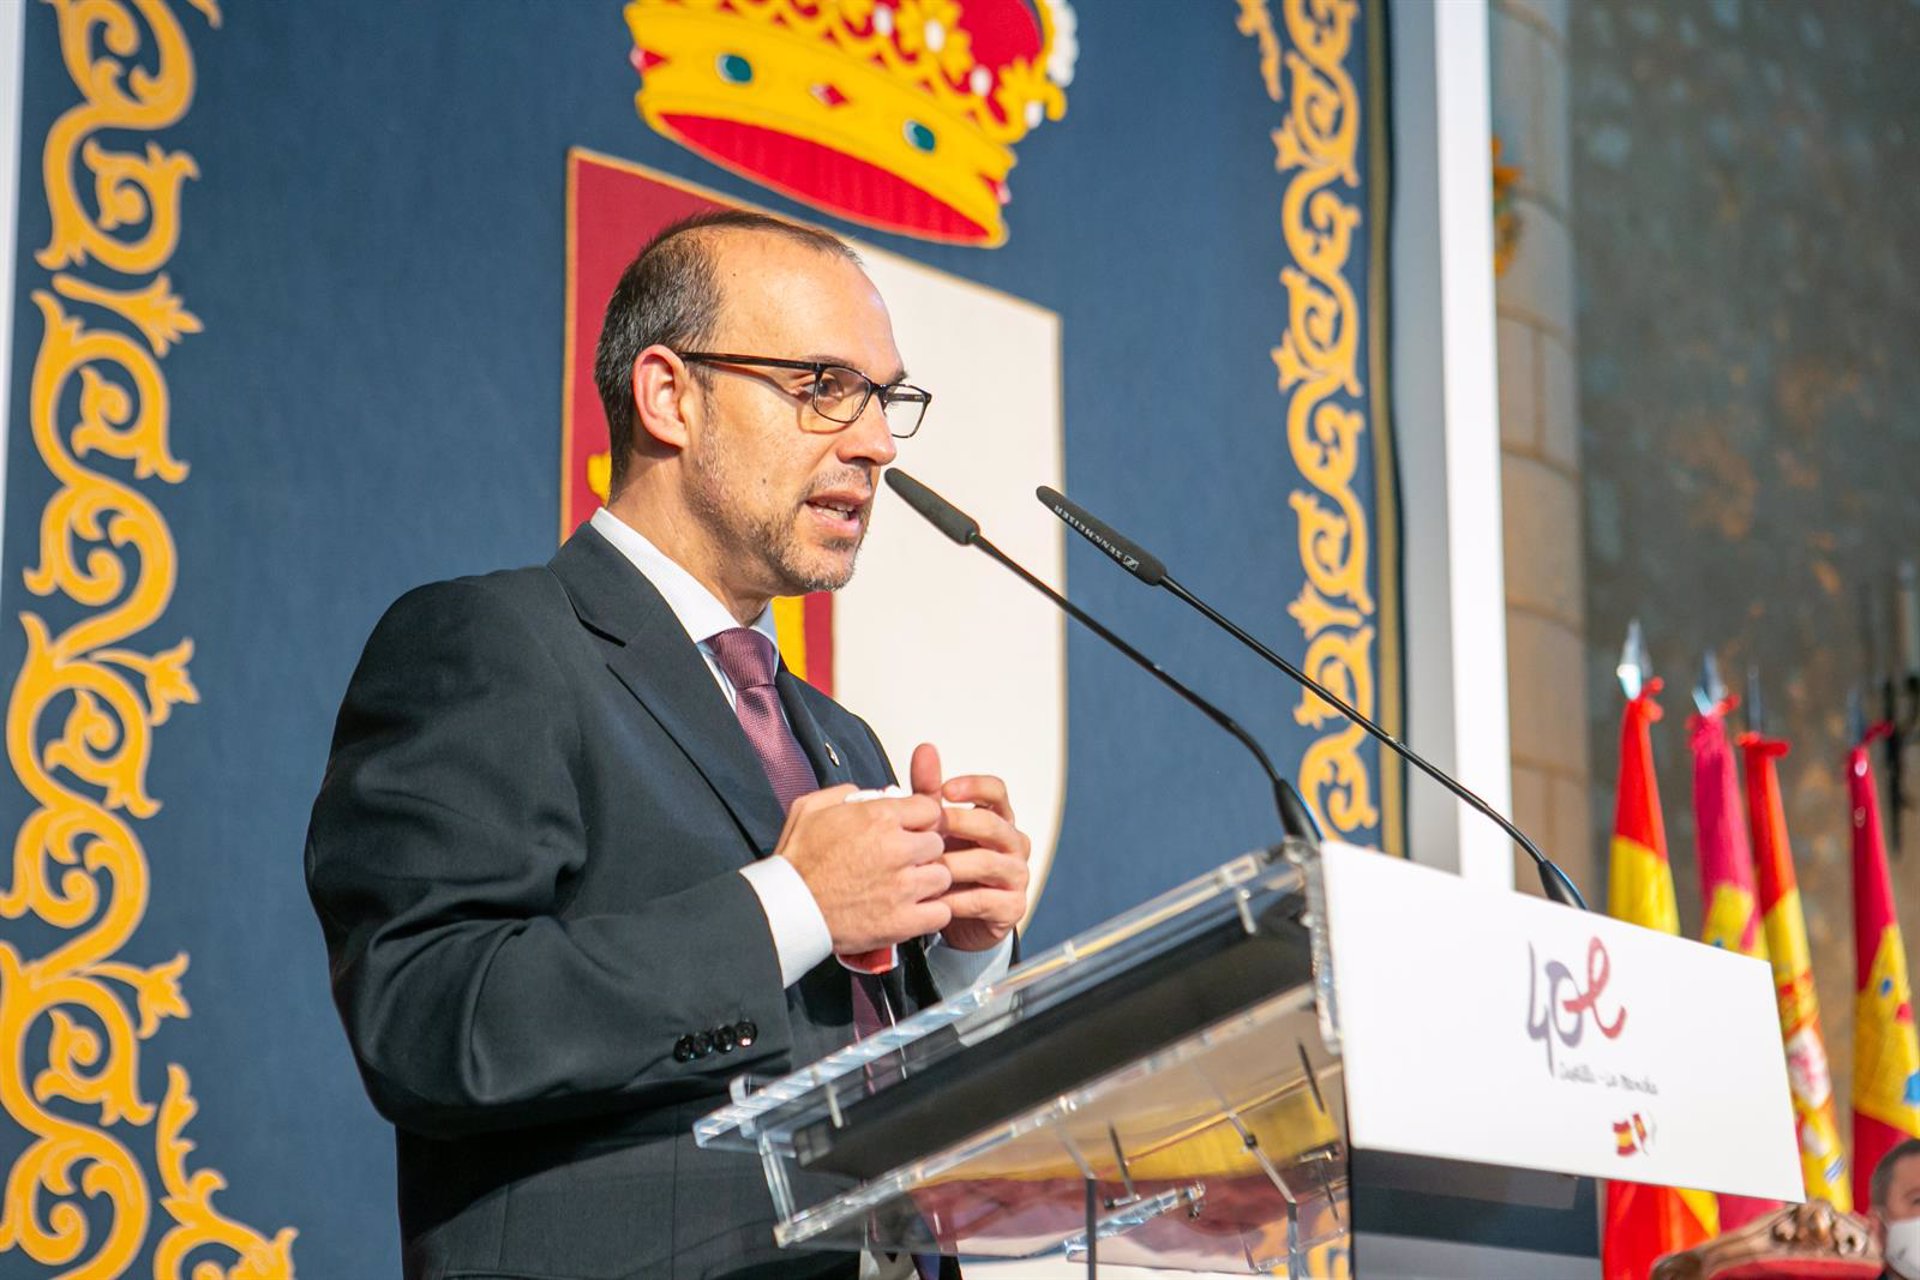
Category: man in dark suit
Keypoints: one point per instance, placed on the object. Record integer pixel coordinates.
(584, 851)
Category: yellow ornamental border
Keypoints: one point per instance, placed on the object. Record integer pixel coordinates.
(83, 708)
(1317, 149)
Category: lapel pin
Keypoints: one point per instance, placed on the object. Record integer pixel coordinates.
(831, 753)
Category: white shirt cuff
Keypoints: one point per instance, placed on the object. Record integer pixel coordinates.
(955, 971)
(801, 939)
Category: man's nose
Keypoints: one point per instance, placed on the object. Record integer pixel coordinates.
(868, 438)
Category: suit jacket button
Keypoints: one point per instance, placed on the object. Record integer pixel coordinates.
(683, 1049)
(724, 1039)
(745, 1033)
(703, 1044)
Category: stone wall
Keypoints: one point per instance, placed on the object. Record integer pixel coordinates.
(1540, 444)
(1746, 253)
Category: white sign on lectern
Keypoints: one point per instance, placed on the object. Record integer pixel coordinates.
(1508, 1030)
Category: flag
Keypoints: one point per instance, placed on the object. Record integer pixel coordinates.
(1823, 1164)
(1643, 1222)
(1731, 901)
(1886, 1054)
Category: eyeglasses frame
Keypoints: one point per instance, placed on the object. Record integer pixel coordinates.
(818, 368)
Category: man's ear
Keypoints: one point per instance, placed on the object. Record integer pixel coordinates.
(663, 393)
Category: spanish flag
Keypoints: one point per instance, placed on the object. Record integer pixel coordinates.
(1644, 1222)
(1727, 889)
(1886, 1054)
(1823, 1163)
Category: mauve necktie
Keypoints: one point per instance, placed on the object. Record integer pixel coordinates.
(750, 662)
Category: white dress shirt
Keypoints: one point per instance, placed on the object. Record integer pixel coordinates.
(801, 939)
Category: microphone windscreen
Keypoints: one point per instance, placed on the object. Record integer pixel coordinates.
(936, 510)
(1125, 552)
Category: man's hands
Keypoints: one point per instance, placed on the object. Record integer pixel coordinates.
(985, 853)
(888, 870)
(875, 869)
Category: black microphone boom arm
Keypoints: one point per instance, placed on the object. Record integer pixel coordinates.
(1295, 818)
(1136, 560)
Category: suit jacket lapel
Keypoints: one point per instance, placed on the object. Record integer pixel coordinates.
(831, 762)
(662, 668)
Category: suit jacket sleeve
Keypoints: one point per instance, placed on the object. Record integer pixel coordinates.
(439, 858)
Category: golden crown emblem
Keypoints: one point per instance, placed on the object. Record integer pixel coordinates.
(899, 114)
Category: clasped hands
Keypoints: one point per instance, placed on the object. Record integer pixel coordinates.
(897, 868)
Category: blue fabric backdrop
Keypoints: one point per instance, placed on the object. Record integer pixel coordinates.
(373, 246)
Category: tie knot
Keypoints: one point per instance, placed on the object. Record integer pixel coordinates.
(745, 655)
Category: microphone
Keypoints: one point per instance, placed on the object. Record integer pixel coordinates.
(1295, 818)
(1136, 560)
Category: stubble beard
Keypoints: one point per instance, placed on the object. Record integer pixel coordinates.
(771, 540)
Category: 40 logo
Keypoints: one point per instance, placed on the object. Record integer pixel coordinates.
(1560, 1006)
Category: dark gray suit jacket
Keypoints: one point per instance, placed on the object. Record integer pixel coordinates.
(525, 859)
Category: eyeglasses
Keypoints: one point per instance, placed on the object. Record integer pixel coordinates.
(838, 394)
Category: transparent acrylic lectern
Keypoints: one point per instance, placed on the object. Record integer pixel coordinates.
(1170, 1080)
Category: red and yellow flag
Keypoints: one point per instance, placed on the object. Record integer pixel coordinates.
(1886, 1053)
(1732, 903)
(1644, 1222)
(1823, 1163)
